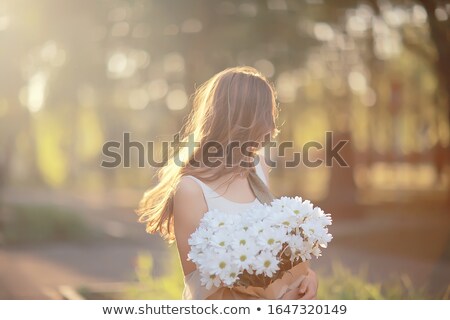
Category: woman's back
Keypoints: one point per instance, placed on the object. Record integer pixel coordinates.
(233, 197)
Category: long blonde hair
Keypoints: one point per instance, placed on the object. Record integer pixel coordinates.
(236, 104)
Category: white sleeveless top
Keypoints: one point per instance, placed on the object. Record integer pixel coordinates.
(216, 201)
(192, 283)
(192, 286)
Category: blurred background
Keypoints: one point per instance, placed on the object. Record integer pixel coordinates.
(76, 74)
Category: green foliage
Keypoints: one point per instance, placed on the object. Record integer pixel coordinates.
(343, 284)
(32, 224)
(167, 287)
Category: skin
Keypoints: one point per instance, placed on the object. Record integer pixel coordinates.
(307, 290)
(189, 208)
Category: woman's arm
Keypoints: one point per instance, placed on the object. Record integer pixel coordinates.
(189, 206)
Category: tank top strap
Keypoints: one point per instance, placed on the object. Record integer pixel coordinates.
(260, 172)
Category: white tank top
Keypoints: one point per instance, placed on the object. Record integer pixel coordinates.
(192, 281)
(217, 201)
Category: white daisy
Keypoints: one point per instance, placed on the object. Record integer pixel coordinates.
(284, 203)
(272, 239)
(218, 263)
(246, 222)
(257, 213)
(210, 280)
(303, 210)
(316, 251)
(221, 241)
(311, 228)
(220, 220)
(266, 263)
(323, 238)
(241, 238)
(230, 276)
(244, 257)
(200, 238)
(305, 251)
(195, 255)
(320, 216)
(257, 228)
(284, 219)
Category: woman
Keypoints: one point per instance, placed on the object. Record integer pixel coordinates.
(234, 107)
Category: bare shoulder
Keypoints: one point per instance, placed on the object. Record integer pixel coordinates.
(188, 187)
(188, 198)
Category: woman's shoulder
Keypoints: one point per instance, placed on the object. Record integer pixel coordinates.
(189, 196)
(188, 187)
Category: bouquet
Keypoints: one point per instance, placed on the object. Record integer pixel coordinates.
(256, 247)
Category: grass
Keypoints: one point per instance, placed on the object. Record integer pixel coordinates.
(340, 284)
(167, 287)
(343, 284)
(35, 224)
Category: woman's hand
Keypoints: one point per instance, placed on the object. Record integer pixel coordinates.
(307, 289)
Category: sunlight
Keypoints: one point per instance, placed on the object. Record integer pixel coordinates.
(117, 65)
(157, 89)
(176, 99)
(323, 31)
(418, 15)
(35, 94)
(357, 82)
(138, 99)
(173, 62)
(4, 22)
(191, 26)
(266, 67)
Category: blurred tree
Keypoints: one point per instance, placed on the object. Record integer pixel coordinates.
(102, 68)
